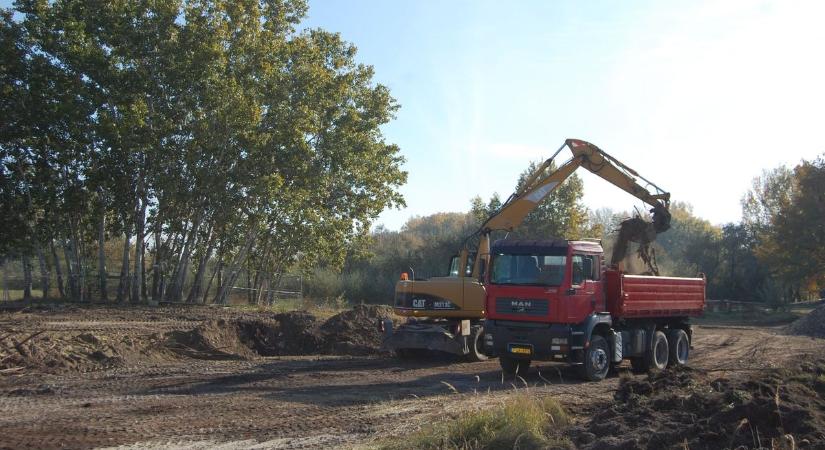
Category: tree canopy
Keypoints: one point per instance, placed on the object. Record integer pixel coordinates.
(213, 127)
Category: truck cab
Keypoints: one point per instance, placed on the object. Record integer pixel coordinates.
(555, 300)
(528, 279)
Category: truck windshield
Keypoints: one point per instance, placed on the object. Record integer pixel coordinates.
(535, 269)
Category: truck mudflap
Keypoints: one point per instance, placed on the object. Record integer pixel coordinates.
(424, 336)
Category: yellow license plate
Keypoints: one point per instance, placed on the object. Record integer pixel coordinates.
(521, 349)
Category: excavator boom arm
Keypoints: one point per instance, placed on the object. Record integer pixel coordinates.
(540, 184)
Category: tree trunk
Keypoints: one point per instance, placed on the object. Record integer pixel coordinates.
(157, 262)
(250, 292)
(101, 257)
(45, 276)
(27, 279)
(70, 271)
(218, 268)
(140, 226)
(57, 270)
(143, 288)
(5, 296)
(197, 284)
(271, 284)
(173, 246)
(79, 279)
(179, 275)
(263, 289)
(234, 269)
(123, 285)
(80, 270)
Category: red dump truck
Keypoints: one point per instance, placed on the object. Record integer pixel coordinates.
(555, 300)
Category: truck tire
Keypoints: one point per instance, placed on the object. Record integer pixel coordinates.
(476, 345)
(658, 353)
(656, 357)
(596, 360)
(679, 345)
(512, 366)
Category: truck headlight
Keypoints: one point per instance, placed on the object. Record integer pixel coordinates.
(488, 339)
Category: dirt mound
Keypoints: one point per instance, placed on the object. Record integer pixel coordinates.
(811, 324)
(631, 390)
(215, 339)
(355, 332)
(298, 334)
(57, 353)
(681, 409)
(238, 336)
(295, 333)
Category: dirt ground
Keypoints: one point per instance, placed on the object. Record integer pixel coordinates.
(177, 377)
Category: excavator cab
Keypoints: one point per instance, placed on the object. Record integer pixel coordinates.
(464, 259)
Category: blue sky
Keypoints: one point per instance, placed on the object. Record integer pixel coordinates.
(698, 96)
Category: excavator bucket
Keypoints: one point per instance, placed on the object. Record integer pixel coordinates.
(642, 232)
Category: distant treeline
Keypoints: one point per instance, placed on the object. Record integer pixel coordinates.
(775, 255)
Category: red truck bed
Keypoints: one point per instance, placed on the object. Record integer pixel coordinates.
(639, 296)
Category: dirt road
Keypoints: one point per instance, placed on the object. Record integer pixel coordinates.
(296, 402)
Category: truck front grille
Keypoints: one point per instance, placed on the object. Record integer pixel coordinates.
(525, 306)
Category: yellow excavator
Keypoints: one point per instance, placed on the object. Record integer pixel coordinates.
(447, 313)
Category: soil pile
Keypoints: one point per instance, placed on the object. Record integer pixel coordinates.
(238, 336)
(356, 332)
(221, 339)
(680, 409)
(811, 324)
(76, 352)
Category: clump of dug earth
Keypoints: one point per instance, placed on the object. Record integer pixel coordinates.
(685, 409)
(355, 332)
(811, 324)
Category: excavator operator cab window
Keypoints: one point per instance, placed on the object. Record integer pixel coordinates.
(468, 268)
(454, 261)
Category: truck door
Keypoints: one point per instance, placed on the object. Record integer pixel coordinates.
(582, 295)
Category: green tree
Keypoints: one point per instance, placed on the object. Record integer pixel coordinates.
(560, 214)
(208, 134)
(691, 246)
(792, 247)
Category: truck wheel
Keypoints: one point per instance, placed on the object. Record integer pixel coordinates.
(512, 366)
(596, 360)
(679, 345)
(476, 345)
(657, 356)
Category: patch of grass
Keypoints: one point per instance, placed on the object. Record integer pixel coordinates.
(521, 422)
(17, 294)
